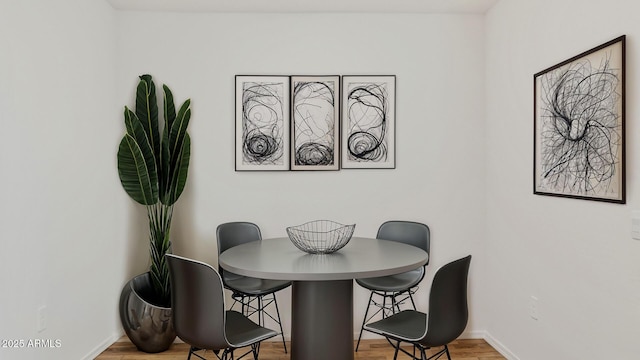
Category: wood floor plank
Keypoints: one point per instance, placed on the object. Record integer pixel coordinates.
(462, 349)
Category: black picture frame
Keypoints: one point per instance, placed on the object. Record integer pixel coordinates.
(315, 122)
(368, 122)
(262, 123)
(579, 126)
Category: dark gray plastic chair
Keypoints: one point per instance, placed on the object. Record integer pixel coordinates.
(448, 315)
(393, 290)
(199, 316)
(253, 294)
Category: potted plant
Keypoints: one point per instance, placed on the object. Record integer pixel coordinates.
(153, 166)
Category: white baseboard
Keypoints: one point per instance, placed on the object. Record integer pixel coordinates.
(474, 334)
(103, 346)
(499, 347)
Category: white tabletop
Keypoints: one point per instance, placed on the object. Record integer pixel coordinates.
(279, 259)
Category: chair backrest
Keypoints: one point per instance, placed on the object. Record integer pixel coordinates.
(197, 299)
(408, 232)
(233, 234)
(236, 233)
(448, 309)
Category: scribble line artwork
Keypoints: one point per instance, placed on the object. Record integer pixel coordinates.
(315, 126)
(263, 124)
(580, 131)
(367, 121)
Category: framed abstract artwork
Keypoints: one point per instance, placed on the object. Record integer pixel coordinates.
(579, 119)
(368, 122)
(262, 123)
(315, 122)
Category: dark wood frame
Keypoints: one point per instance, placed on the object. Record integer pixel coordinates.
(566, 133)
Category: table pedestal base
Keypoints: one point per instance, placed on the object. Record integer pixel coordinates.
(322, 320)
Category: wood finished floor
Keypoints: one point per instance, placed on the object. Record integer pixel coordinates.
(467, 349)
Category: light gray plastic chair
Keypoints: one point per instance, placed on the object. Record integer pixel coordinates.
(254, 295)
(447, 319)
(199, 316)
(393, 290)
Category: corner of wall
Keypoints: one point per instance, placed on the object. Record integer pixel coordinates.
(501, 348)
(103, 346)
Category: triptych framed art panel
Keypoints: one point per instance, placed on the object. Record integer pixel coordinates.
(368, 122)
(262, 123)
(314, 122)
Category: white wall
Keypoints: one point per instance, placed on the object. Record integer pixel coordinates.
(439, 180)
(577, 257)
(63, 216)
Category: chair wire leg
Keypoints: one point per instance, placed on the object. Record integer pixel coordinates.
(446, 349)
(384, 305)
(394, 304)
(411, 298)
(255, 349)
(217, 354)
(395, 353)
(260, 311)
(364, 320)
(275, 302)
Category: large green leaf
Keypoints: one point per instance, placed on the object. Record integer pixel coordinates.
(178, 155)
(169, 116)
(135, 129)
(137, 179)
(147, 112)
(169, 109)
(180, 171)
(179, 129)
(165, 178)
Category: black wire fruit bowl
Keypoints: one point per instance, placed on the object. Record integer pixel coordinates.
(320, 236)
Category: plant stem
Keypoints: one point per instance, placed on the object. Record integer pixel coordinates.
(160, 216)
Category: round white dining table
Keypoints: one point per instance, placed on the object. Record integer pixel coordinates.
(322, 290)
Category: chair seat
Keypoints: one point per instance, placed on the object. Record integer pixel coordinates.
(393, 283)
(254, 286)
(407, 325)
(241, 331)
